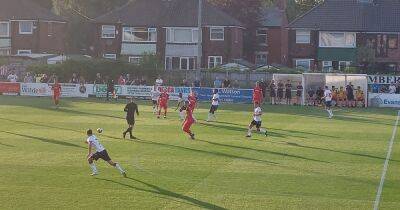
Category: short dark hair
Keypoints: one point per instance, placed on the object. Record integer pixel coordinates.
(89, 132)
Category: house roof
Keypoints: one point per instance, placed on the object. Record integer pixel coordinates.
(178, 13)
(352, 15)
(26, 10)
(272, 17)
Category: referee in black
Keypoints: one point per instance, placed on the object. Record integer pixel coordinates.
(130, 110)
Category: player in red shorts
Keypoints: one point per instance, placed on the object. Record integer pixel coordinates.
(189, 120)
(56, 92)
(257, 95)
(163, 104)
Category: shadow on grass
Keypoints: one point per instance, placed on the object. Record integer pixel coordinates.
(263, 151)
(342, 152)
(6, 145)
(46, 140)
(53, 127)
(164, 192)
(206, 152)
(70, 111)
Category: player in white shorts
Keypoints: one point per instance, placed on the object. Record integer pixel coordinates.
(214, 106)
(257, 121)
(328, 101)
(101, 153)
(181, 104)
(154, 98)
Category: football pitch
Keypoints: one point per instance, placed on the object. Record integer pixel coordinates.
(306, 162)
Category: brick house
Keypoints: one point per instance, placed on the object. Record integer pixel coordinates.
(168, 29)
(271, 36)
(27, 28)
(327, 37)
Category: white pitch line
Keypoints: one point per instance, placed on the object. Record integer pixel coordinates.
(385, 166)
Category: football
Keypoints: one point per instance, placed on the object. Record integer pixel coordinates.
(99, 130)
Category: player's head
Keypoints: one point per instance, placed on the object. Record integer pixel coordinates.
(326, 88)
(130, 99)
(89, 132)
(256, 104)
(187, 103)
(215, 91)
(180, 95)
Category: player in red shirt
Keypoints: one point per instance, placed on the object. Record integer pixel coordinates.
(56, 92)
(189, 120)
(163, 104)
(257, 95)
(192, 98)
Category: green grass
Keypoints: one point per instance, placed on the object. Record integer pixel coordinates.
(308, 162)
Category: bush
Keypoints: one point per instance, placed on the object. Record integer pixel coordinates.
(284, 70)
(89, 68)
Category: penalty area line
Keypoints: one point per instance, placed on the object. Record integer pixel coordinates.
(386, 165)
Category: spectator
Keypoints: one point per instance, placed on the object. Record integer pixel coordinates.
(159, 81)
(52, 78)
(311, 97)
(28, 78)
(143, 81)
(184, 83)
(236, 84)
(263, 87)
(319, 94)
(121, 80)
(128, 79)
(110, 89)
(375, 87)
(392, 88)
(136, 81)
(197, 82)
(12, 77)
(74, 79)
(99, 79)
(217, 83)
(44, 78)
(82, 80)
(350, 95)
(226, 83)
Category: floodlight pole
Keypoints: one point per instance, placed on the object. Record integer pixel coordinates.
(200, 35)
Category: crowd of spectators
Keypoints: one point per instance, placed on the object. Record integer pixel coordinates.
(392, 88)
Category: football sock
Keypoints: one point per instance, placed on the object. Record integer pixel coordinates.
(130, 131)
(117, 166)
(182, 115)
(249, 132)
(209, 117)
(93, 167)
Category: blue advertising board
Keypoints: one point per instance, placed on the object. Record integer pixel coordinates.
(228, 95)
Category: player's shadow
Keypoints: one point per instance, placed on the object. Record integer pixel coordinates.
(164, 192)
(263, 151)
(244, 130)
(6, 145)
(206, 152)
(288, 131)
(50, 126)
(70, 111)
(337, 151)
(46, 140)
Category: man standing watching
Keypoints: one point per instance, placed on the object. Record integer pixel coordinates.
(131, 108)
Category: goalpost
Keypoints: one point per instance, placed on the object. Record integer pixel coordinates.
(316, 80)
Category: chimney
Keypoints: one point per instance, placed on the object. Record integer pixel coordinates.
(281, 4)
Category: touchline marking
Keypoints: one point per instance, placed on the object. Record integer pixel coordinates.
(385, 167)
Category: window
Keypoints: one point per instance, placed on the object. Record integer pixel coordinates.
(133, 34)
(303, 37)
(135, 60)
(182, 35)
(25, 27)
(337, 39)
(343, 65)
(24, 52)
(110, 56)
(4, 52)
(108, 32)
(262, 37)
(303, 64)
(4, 29)
(393, 42)
(327, 66)
(182, 63)
(214, 61)
(261, 58)
(216, 34)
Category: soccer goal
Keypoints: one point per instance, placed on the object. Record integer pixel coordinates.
(316, 80)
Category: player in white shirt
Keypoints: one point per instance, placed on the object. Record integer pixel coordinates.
(257, 121)
(214, 106)
(328, 101)
(101, 153)
(181, 104)
(154, 98)
(12, 77)
(159, 81)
